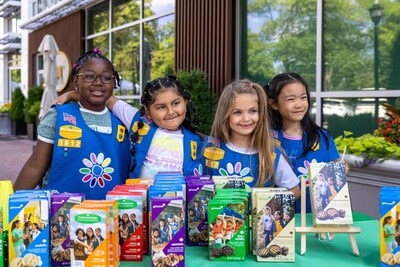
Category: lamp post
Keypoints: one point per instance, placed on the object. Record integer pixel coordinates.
(376, 13)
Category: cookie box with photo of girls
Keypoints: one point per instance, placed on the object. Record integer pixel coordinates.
(28, 229)
(141, 188)
(199, 192)
(274, 225)
(61, 203)
(167, 229)
(84, 221)
(114, 249)
(225, 242)
(329, 194)
(389, 232)
(238, 223)
(130, 213)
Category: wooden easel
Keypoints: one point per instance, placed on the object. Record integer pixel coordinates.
(303, 229)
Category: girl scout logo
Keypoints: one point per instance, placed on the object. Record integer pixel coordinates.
(97, 170)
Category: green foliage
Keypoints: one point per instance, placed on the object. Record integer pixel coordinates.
(16, 111)
(32, 104)
(196, 83)
(371, 148)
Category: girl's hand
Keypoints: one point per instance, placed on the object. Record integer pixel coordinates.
(67, 97)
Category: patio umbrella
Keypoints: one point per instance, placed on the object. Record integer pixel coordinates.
(48, 47)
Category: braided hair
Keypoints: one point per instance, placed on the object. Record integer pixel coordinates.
(149, 95)
(94, 53)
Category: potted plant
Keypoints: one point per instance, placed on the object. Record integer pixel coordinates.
(16, 112)
(32, 109)
(374, 161)
(5, 122)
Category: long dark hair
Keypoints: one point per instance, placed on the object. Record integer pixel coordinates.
(273, 89)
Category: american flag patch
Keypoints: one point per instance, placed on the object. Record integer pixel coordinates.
(69, 118)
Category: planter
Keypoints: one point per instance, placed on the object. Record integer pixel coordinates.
(5, 124)
(19, 128)
(32, 131)
(365, 183)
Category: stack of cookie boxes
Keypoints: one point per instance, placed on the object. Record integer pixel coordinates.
(200, 189)
(228, 225)
(329, 194)
(389, 208)
(273, 224)
(61, 203)
(86, 218)
(27, 207)
(130, 213)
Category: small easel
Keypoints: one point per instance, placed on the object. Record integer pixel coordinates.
(303, 229)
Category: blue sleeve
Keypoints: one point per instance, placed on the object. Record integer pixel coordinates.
(333, 153)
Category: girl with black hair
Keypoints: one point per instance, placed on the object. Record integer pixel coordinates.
(162, 132)
(82, 144)
(301, 138)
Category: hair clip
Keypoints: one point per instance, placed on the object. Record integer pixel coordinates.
(74, 66)
(97, 50)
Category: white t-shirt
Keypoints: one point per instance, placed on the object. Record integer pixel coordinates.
(166, 149)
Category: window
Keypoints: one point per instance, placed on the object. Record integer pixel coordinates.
(139, 40)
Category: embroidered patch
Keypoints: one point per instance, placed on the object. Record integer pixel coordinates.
(214, 153)
(97, 170)
(193, 149)
(120, 133)
(70, 132)
(142, 131)
(69, 143)
(69, 118)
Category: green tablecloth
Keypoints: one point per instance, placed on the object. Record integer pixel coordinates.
(336, 252)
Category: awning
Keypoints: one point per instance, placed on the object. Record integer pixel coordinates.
(8, 8)
(55, 12)
(10, 37)
(11, 47)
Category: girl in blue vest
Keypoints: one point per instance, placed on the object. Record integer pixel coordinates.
(162, 132)
(84, 146)
(241, 143)
(301, 138)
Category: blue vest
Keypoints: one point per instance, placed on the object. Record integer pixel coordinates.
(232, 163)
(86, 161)
(192, 145)
(300, 163)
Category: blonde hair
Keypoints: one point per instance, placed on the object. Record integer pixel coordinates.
(261, 139)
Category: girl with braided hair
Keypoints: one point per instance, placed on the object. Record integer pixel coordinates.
(162, 132)
(81, 146)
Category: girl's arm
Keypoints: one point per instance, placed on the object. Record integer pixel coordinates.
(296, 191)
(36, 166)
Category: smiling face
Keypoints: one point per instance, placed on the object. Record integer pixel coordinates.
(168, 110)
(93, 95)
(292, 103)
(243, 119)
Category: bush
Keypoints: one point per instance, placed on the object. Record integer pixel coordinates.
(16, 111)
(196, 83)
(32, 104)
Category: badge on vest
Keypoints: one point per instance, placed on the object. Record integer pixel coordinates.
(142, 131)
(70, 132)
(121, 133)
(69, 143)
(193, 149)
(213, 154)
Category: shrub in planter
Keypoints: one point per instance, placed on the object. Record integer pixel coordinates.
(16, 111)
(32, 104)
(196, 83)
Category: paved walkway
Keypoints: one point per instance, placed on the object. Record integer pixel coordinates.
(14, 152)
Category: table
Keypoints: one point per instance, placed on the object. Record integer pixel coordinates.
(336, 252)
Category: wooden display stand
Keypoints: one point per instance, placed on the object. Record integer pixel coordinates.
(303, 229)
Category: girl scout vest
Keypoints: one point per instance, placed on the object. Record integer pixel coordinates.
(220, 160)
(191, 146)
(85, 160)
